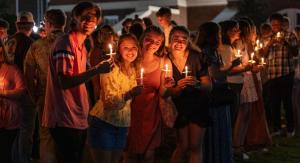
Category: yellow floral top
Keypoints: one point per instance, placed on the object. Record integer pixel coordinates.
(111, 106)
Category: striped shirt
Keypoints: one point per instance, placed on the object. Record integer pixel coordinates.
(280, 57)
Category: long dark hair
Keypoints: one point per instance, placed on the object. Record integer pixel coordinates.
(208, 35)
(245, 29)
(227, 26)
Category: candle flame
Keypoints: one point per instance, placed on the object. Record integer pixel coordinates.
(278, 34)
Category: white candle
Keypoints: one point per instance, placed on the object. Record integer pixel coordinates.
(167, 69)
(257, 42)
(186, 71)
(278, 34)
(238, 53)
(252, 56)
(110, 49)
(263, 61)
(142, 76)
(251, 59)
(260, 45)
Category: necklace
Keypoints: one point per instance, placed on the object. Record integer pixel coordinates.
(179, 61)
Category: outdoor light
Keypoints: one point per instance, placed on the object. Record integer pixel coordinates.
(35, 29)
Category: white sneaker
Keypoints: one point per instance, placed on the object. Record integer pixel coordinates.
(265, 150)
(290, 134)
(245, 156)
(276, 133)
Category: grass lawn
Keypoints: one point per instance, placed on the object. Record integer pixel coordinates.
(284, 150)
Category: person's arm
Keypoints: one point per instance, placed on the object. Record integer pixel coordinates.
(30, 68)
(293, 45)
(95, 59)
(67, 81)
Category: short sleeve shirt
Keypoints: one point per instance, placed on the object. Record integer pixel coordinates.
(66, 107)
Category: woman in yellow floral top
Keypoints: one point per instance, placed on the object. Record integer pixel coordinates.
(110, 117)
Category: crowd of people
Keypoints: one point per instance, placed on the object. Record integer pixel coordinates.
(90, 89)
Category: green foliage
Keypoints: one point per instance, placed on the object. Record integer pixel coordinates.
(254, 9)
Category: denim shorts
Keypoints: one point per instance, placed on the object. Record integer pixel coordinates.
(105, 136)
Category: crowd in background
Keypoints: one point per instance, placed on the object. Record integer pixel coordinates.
(87, 89)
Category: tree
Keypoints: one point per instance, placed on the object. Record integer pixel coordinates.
(254, 9)
(10, 18)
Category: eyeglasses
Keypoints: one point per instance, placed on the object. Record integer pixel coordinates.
(92, 18)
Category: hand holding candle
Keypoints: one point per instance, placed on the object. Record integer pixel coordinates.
(262, 61)
(252, 61)
(278, 36)
(166, 70)
(238, 55)
(186, 71)
(110, 50)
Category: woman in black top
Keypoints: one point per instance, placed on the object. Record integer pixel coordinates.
(218, 139)
(190, 95)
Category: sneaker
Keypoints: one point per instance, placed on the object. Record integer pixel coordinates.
(290, 134)
(276, 133)
(245, 156)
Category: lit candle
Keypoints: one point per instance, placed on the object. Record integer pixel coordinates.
(256, 48)
(257, 42)
(262, 61)
(142, 76)
(186, 71)
(251, 59)
(167, 70)
(278, 34)
(252, 56)
(110, 49)
(238, 53)
(260, 45)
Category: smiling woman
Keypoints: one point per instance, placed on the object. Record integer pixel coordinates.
(11, 89)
